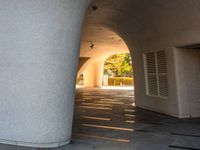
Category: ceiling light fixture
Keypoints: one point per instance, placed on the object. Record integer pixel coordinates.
(91, 45)
(94, 7)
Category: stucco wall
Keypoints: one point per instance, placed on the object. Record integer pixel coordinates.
(188, 77)
(175, 105)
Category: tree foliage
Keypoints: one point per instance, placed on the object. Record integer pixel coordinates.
(119, 65)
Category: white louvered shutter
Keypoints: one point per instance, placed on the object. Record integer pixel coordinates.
(156, 74)
(151, 74)
(162, 73)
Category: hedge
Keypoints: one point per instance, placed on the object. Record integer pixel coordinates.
(120, 81)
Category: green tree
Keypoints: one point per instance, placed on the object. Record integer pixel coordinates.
(119, 65)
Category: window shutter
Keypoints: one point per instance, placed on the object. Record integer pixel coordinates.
(156, 74)
(162, 74)
(151, 74)
(161, 62)
(151, 63)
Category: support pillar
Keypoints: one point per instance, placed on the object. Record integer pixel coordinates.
(38, 60)
(93, 74)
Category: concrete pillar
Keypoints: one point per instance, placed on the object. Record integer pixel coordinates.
(38, 60)
(93, 74)
(88, 75)
(99, 69)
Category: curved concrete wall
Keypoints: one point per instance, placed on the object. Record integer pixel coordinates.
(153, 26)
(38, 60)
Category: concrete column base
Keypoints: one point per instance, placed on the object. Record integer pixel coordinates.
(41, 145)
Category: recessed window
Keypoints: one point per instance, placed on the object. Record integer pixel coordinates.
(156, 74)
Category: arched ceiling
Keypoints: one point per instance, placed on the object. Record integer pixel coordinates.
(139, 19)
(98, 41)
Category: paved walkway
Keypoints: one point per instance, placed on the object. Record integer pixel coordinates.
(107, 119)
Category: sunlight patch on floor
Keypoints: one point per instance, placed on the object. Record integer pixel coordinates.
(117, 87)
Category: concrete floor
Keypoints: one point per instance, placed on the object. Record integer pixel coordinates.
(108, 120)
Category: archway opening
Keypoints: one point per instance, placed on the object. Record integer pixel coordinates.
(102, 112)
(118, 71)
(80, 80)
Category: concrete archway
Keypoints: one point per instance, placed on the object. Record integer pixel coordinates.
(106, 43)
(145, 30)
